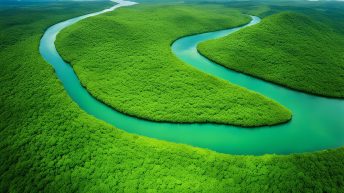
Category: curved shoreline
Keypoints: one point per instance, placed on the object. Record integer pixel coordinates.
(271, 82)
(221, 138)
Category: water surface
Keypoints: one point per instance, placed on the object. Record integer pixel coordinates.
(317, 121)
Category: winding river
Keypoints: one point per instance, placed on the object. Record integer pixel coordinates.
(318, 122)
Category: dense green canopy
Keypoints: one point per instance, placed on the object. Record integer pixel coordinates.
(124, 59)
(298, 51)
(47, 144)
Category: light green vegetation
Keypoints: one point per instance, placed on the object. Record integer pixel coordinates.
(47, 144)
(124, 59)
(302, 52)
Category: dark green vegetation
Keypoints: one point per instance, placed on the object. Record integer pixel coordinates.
(21, 20)
(135, 71)
(47, 144)
(301, 52)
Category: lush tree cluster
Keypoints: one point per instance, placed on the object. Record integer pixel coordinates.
(47, 144)
(124, 59)
(302, 52)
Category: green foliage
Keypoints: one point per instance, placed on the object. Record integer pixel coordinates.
(47, 144)
(16, 18)
(124, 59)
(301, 52)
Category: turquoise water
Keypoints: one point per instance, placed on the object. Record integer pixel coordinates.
(317, 122)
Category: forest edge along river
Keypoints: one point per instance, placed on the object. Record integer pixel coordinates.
(316, 124)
